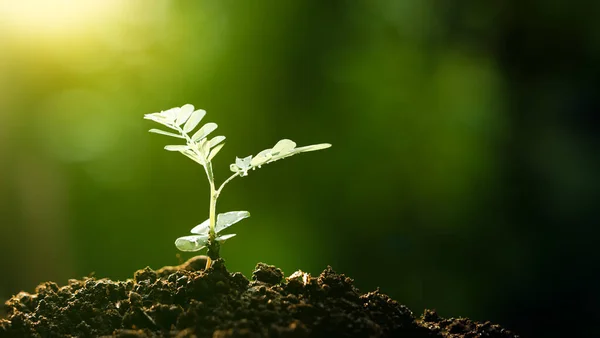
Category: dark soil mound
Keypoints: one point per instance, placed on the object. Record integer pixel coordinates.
(185, 301)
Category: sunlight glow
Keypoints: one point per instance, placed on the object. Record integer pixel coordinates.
(55, 17)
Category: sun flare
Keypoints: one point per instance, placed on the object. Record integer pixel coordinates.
(46, 18)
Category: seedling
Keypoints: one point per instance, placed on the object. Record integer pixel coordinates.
(183, 120)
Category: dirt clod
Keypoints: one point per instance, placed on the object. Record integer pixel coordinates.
(186, 301)
(267, 274)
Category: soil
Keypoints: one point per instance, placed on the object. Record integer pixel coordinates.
(186, 301)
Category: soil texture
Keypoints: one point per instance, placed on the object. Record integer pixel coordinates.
(186, 301)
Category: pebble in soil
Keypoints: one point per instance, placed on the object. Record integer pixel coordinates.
(186, 301)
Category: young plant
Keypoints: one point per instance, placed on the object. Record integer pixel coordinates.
(182, 121)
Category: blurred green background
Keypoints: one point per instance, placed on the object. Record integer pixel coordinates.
(463, 174)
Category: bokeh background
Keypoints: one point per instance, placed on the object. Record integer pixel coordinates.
(463, 174)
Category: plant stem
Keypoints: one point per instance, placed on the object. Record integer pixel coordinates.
(213, 201)
(213, 244)
(227, 181)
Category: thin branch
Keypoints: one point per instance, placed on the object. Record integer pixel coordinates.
(227, 181)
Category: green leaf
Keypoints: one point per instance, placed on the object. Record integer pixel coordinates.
(193, 156)
(160, 118)
(241, 165)
(204, 131)
(184, 114)
(224, 237)
(283, 146)
(313, 147)
(193, 121)
(261, 158)
(191, 243)
(162, 132)
(203, 148)
(224, 220)
(227, 219)
(215, 151)
(177, 147)
(216, 140)
(202, 228)
(171, 114)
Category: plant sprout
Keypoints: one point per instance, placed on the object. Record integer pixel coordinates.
(183, 121)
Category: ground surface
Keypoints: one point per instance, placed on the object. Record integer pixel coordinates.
(185, 301)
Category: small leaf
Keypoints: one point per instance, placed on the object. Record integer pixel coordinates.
(162, 132)
(224, 220)
(204, 131)
(216, 140)
(171, 114)
(201, 228)
(282, 147)
(300, 150)
(215, 151)
(159, 118)
(224, 237)
(227, 219)
(261, 158)
(193, 121)
(204, 148)
(184, 113)
(312, 147)
(177, 147)
(193, 156)
(241, 164)
(191, 243)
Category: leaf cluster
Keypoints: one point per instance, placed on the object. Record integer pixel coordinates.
(182, 121)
